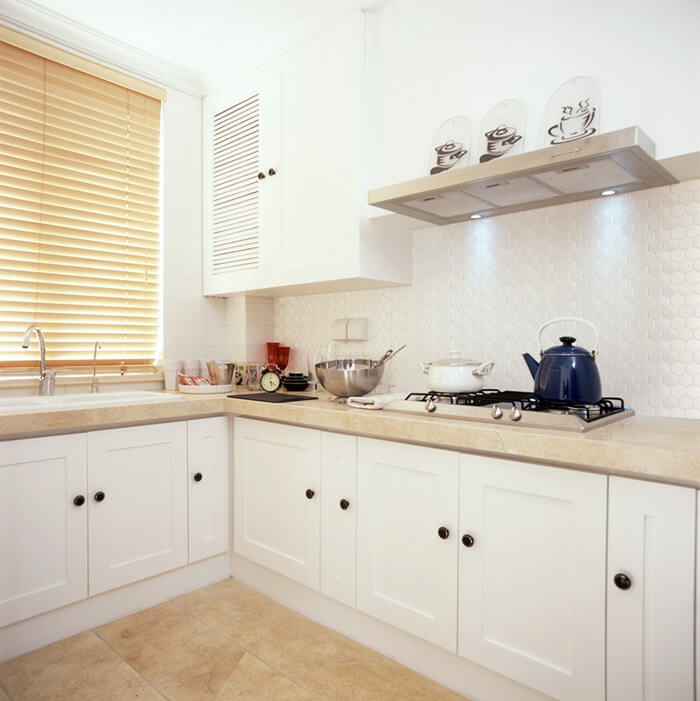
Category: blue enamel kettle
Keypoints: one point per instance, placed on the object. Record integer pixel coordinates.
(566, 374)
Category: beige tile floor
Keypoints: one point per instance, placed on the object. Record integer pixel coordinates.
(225, 642)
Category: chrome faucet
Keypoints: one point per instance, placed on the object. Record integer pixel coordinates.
(94, 388)
(47, 381)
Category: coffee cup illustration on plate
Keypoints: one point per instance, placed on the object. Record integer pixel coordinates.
(574, 123)
(448, 154)
(499, 141)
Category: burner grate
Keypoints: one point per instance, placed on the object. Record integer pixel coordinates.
(526, 401)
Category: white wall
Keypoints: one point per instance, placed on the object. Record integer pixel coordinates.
(429, 61)
(193, 325)
(630, 264)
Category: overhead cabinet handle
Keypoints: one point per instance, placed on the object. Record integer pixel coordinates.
(310, 493)
(344, 504)
(197, 477)
(79, 500)
(99, 496)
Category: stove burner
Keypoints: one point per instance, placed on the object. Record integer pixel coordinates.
(521, 401)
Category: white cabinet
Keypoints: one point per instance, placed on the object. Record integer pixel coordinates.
(241, 214)
(651, 562)
(338, 516)
(43, 525)
(137, 486)
(207, 466)
(285, 177)
(407, 538)
(277, 476)
(532, 583)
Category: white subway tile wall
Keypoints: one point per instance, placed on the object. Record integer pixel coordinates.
(630, 264)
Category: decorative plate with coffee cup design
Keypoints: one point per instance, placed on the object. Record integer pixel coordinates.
(573, 112)
(451, 145)
(502, 132)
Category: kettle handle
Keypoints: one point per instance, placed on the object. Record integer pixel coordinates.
(594, 352)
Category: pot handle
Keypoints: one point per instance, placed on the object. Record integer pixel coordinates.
(594, 352)
(425, 367)
(484, 368)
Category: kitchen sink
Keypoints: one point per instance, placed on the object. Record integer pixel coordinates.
(14, 405)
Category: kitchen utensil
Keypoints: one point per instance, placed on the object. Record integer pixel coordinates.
(295, 381)
(272, 398)
(389, 355)
(272, 352)
(282, 357)
(455, 374)
(566, 373)
(349, 377)
(221, 373)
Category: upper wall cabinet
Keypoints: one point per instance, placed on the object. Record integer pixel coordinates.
(284, 177)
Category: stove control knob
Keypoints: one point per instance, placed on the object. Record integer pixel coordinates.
(431, 405)
(514, 414)
(496, 412)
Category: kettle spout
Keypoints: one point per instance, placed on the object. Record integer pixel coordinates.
(531, 363)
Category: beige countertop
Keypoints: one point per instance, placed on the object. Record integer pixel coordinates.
(653, 447)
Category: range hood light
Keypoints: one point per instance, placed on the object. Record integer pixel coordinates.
(606, 193)
(475, 216)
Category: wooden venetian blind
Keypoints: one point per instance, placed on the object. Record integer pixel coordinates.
(235, 235)
(79, 213)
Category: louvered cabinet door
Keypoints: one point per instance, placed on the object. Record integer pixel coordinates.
(241, 192)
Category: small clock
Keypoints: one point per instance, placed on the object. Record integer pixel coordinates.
(270, 380)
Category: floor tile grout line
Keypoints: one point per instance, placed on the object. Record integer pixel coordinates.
(256, 656)
(4, 688)
(121, 657)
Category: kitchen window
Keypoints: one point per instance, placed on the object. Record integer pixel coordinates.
(79, 208)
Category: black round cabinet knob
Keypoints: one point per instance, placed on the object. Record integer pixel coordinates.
(99, 496)
(443, 532)
(622, 581)
(467, 540)
(344, 504)
(197, 477)
(79, 500)
(272, 171)
(310, 493)
(261, 176)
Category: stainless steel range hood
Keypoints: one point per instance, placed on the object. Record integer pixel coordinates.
(619, 161)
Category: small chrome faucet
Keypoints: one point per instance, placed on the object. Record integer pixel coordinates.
(47, 382)
(94, 387)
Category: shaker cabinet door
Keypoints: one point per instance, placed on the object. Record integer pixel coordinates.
(43, 525)
(532, 575)
(407, 538)
(651, 561)
(137, 491)
(207, 486)
(277, 481)
(338, 516)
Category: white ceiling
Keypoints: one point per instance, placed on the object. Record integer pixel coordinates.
(215, 40)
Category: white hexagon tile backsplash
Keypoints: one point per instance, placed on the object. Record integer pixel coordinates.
(630, 264)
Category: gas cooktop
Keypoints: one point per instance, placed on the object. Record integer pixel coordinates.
(513, 408)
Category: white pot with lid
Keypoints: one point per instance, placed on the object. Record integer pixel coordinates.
(455, 374)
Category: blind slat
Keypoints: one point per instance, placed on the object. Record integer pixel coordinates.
(79, 213)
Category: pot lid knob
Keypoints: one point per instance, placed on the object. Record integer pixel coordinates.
(567, 340)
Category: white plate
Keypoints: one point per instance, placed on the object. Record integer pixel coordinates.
(502, 132)
(573, 112)
(204, 389)
(450, 146)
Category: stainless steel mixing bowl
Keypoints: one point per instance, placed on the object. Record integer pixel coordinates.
(349, 377)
